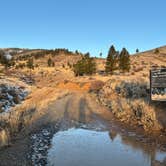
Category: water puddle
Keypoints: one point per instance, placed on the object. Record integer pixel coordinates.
(83, 147)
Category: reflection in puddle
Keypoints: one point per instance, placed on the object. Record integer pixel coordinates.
(80, 147)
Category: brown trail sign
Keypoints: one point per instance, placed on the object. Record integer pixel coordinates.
(158, 84)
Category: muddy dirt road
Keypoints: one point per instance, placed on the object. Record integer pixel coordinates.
(78, 110)
(76, 106)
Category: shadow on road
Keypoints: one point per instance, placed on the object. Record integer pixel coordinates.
(82, 111)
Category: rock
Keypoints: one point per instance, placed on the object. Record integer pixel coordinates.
(16, 99)
(11, 95)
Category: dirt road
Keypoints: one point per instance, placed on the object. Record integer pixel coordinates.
(76, 106)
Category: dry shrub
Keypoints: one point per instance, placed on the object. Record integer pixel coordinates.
(138, 69)
(132, 89)
(135, 63)
(4, 137)
(144, 63)
(134, 67)
(145, 75)
(135, 112)
(96, 85)
(128, 101)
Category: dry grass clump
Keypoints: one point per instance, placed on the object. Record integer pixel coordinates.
(4, 137)
(96, 86)
(132, 89)
(145, 75)
(135, 112)
(138, 69)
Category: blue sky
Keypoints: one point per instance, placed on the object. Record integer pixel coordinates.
(86, 25)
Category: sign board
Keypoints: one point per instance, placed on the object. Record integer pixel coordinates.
(158, 84)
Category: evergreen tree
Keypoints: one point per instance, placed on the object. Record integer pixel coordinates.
(137, 50)
(156, 51)
(85, 66)
(49, 62)
(68, 63)
(76, 52)
(124, 60)
(30, 65)
(2, 57)
(111, 61)
(6, 61)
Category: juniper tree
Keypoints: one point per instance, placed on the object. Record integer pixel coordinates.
(124, 60)
(49, 62)
(111, 61)
(69, 65)
(30, 65)
(2, 56)
(90, 66)
(76, 52)
(156, 51)
(5, 61)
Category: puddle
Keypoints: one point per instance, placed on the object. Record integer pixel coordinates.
(82, 147)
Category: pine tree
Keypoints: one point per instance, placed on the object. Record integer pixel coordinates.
(30, 65)
(6, 61)
(156, 51)
(76, 52)
(49, 62)
(85, 66)
(111, 61)
(2, 57)
(124, 60)
(137, 50)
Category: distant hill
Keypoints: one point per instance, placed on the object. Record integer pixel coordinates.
(146, 60)
(141, 62)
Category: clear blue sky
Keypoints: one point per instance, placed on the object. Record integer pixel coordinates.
(86, 25)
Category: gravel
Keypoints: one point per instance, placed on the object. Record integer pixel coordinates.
(40, 143)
